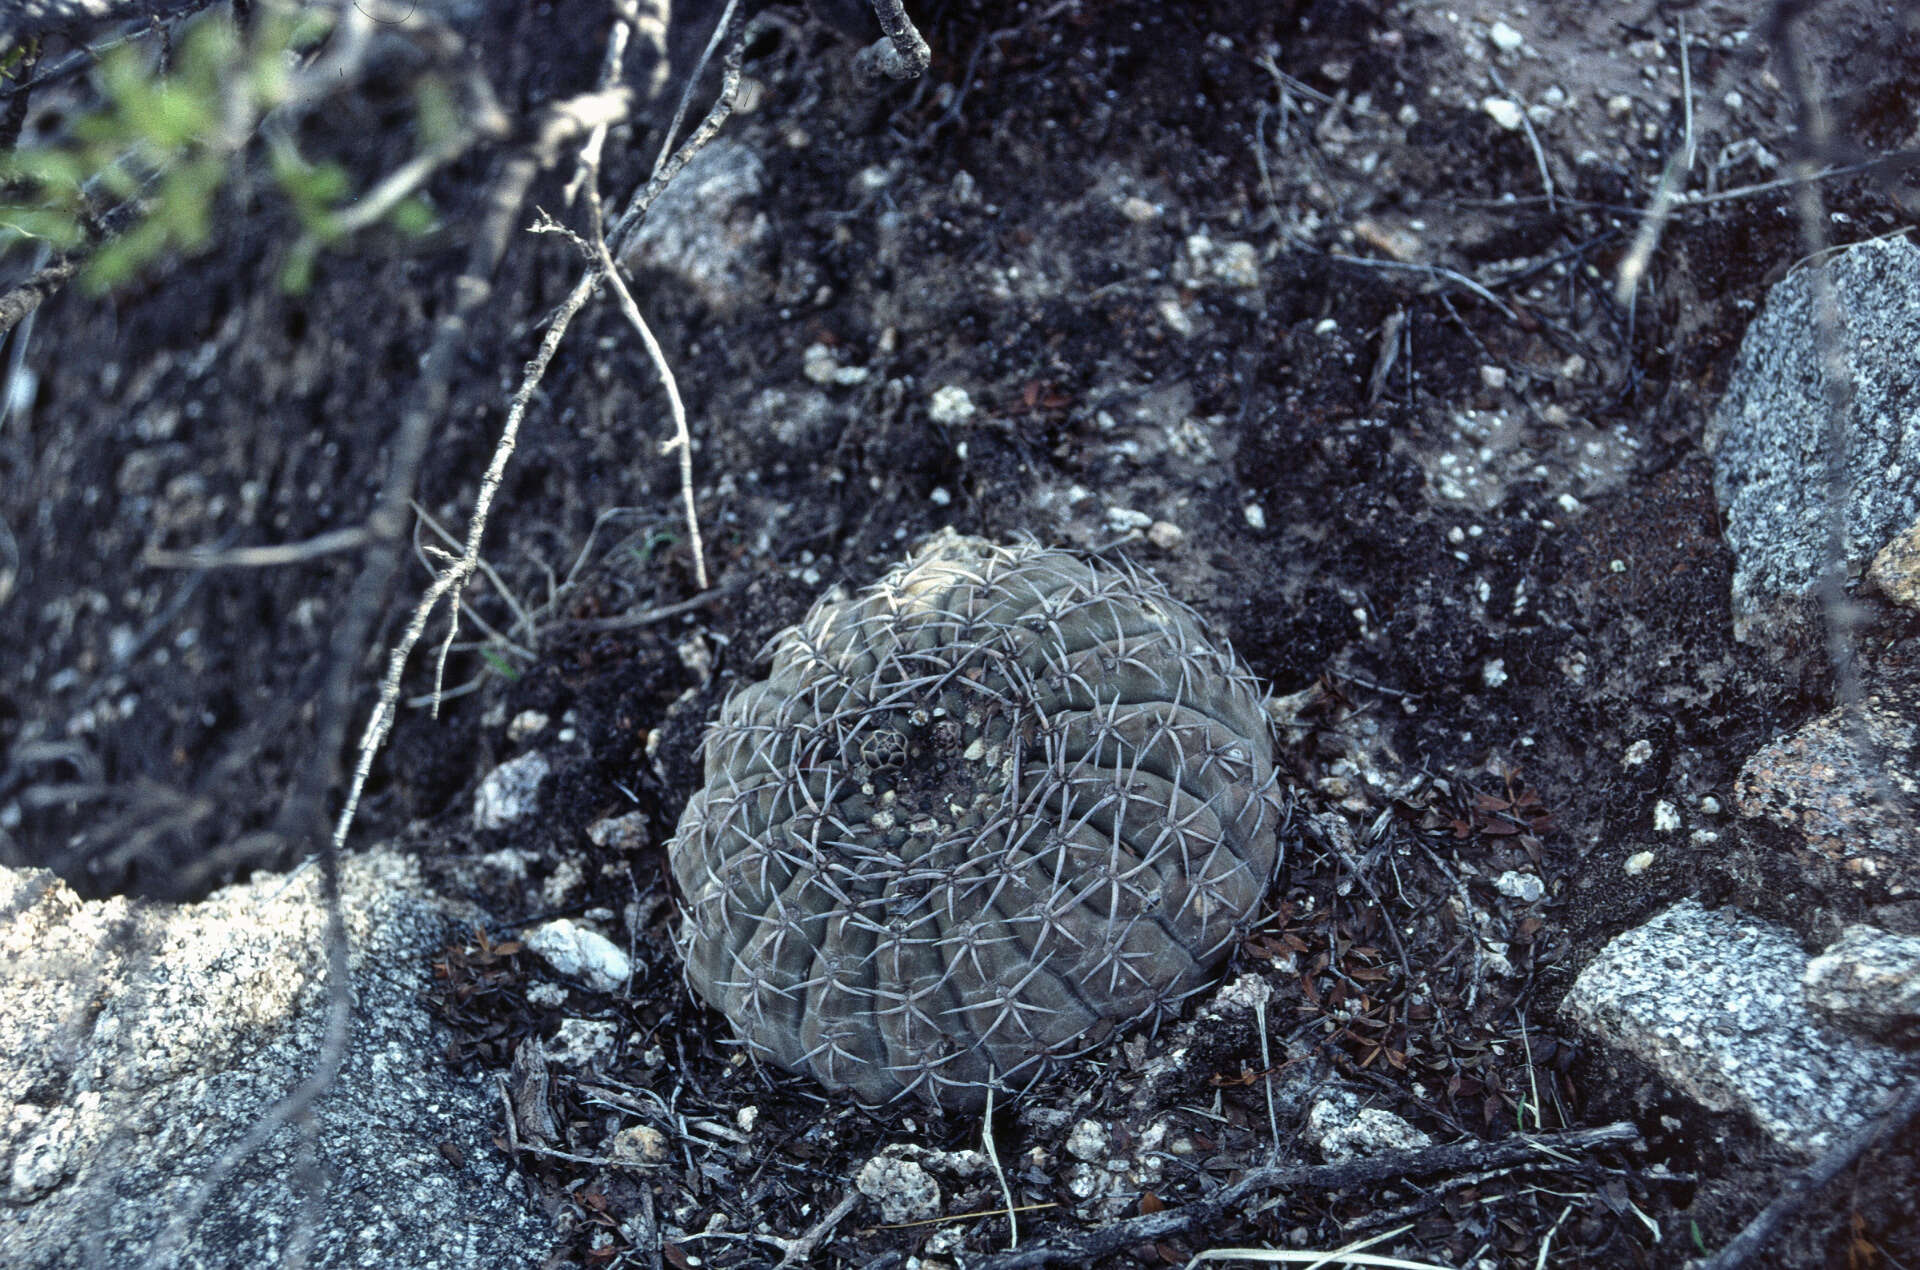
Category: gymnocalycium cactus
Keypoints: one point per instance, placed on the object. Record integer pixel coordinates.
(1002, 801)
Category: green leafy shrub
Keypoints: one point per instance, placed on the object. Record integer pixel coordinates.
(167, 144)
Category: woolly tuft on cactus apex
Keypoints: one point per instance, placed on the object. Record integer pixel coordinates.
(1000, 803)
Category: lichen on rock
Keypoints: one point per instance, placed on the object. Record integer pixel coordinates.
(1001, 802)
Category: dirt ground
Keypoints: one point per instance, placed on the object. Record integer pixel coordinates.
(1307, 307)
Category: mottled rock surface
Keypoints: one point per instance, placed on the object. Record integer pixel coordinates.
(137, 1044)
(1768, 436)
(707, 228)
(1869, 981)
(1711, 1000)
(1340, 1128)
(1841, 798)
(1896, 568)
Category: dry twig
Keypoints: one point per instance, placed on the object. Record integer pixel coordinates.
(1087, 1246)
(1759, 1233)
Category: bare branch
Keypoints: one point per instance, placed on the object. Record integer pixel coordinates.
(23, 19)
(618, 238)
(1759, 1234)
(329, 543)
(1540, 1148)
(682, 442)
(902, 55)
(18, 303)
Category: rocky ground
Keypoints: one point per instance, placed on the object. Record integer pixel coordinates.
(1312, 309)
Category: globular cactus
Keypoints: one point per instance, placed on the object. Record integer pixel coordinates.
(1000, 802)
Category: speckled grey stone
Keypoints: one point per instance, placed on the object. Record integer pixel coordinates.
(1844, 793)
(1869, 981)
(1711, 1000)
(1340, 1128)
(707, 228)
(138, 1043)
(1768, 436)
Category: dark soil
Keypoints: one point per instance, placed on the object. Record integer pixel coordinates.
(1467, 532)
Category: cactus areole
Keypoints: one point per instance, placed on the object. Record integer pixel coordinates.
(1000, 803)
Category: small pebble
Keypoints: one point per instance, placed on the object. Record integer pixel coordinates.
(1524, 887)
(1503, 111)
(1088, 1141)
(526, 724)
(579, 953)
(950, 405)
(642, 1143)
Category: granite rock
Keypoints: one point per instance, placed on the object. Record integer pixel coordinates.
(1768, 436)
(1869, 981)
(1896, 568)
(1840, 799)
(707, 228)
(139, 1043)
(1340, 1128)
(1711, 1001)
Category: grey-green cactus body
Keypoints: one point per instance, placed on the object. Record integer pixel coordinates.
(1000, 802)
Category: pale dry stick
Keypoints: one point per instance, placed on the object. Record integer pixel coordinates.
(1533, 138)
(626, 15)
(797, 1251)
(1352, 1254)
(619, 237)
(462, 569)
(587, 173)
(903, 54)
(682, 441)
(1000, 1175)
(1533, 1079)
(1679, 164)
(329, 543)
(721, 26)
(1358, 1245)
(1266, 1069)
(522, 618)
(386, 526)
(1546, 1241)
(601, 267)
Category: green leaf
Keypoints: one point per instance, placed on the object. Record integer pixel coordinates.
(179, 116)
(413, 218)
(34, 224)
(58, 168)
(296, 271)
(499, 663)
(436, 119)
